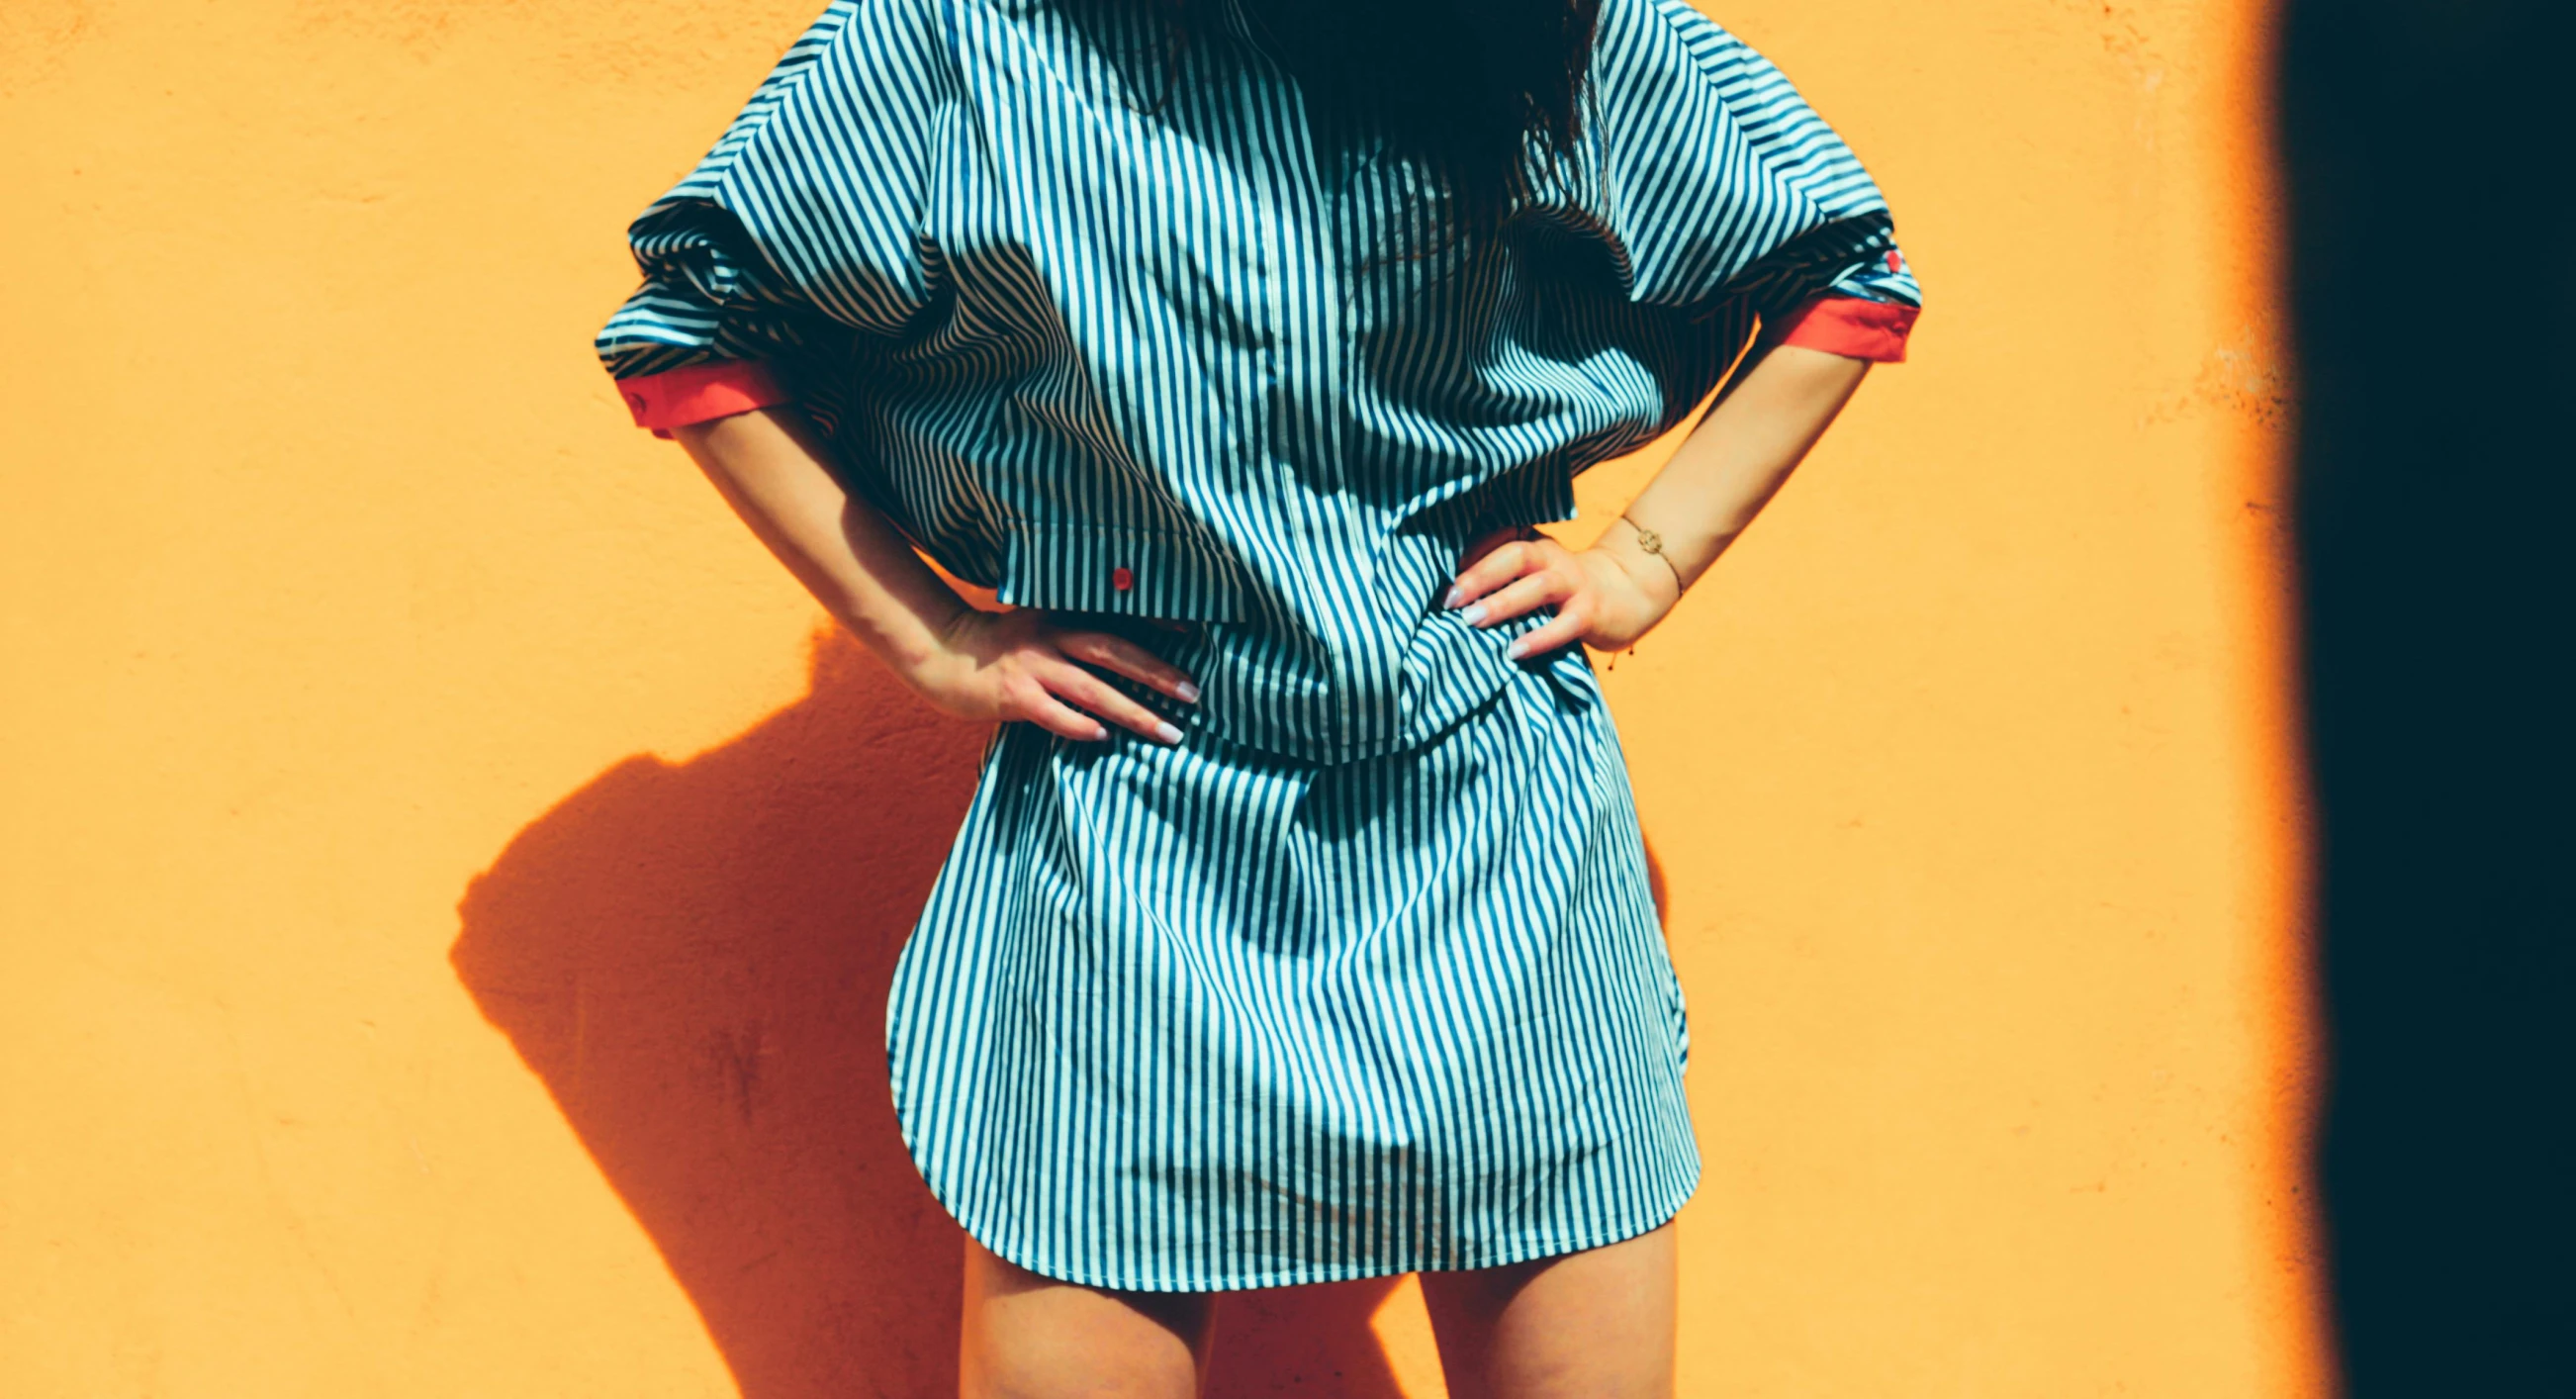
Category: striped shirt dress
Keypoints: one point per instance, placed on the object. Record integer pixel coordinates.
(1364, 976)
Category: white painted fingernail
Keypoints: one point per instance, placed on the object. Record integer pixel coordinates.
(1169, 733)
(1475, 613)
(1450, 598)
(1187, 691)
(1519, 645)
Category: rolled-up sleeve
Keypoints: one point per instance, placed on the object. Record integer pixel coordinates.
(796, 236)
(1852, 326)
(1727, 191)
(699, 393)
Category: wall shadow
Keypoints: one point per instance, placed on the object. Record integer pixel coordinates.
(2426, 152)
(694, 957)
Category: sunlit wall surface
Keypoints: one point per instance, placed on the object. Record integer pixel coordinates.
(449, 891)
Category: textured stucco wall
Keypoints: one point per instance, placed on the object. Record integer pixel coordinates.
(448, 891)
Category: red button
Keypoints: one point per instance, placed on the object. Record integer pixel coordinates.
(1894, 262)
(1121, 579)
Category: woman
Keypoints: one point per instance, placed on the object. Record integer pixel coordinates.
(1299, 927)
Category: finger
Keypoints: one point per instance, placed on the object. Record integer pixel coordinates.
(1566, 626)
(1056, 717)
(1095, 694)
(1524, 594)
(1129, 659)
(1507, 562)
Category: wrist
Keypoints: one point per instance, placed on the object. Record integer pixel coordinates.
(913, 641)
(1640, 553)
(947, 634)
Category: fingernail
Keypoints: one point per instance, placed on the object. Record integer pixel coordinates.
(1450, 599)
(1475, 613)
(1519, 645)
(1167, 732)
(1187, 691)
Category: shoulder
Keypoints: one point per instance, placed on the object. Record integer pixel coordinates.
(1662, 72)
(1671, 36)
(1672, 76)
(863, 38)
(1657, 45)
(863, 73)
(905, 46)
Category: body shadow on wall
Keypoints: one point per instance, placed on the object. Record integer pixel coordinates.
(694, 958)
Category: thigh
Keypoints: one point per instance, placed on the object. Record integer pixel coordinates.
(1599, 1323)
(1024, 1336)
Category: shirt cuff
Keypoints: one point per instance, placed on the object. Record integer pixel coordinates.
(695, 393)
(1849, 325)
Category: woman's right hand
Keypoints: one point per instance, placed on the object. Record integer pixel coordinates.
(773, 467)
(1020, 664)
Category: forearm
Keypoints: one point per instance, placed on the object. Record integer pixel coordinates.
(1770, 415)
(769, 465)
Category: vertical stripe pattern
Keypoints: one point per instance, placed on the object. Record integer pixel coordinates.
(1203, 1018)
(1364, 976)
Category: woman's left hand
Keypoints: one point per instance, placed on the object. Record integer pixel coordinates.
(1602, 598)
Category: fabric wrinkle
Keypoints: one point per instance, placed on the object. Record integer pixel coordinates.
(1365, 975)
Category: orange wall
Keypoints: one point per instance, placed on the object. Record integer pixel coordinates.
(448, 896)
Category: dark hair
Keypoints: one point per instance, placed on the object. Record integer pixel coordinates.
(1468, 94)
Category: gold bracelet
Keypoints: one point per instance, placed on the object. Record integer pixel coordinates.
(1653, 543)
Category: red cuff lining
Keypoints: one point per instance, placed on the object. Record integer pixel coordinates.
(1849, 325)
(699, 392)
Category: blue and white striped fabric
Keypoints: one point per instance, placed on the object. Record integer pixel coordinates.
(1364, 976)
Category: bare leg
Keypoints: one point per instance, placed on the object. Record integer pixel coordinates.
(1030, 1337)
(1599, 1324)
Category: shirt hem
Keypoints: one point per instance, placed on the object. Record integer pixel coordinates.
(1659, 1213)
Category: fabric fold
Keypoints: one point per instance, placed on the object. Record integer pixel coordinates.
(1849, 325)
(699, 393)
